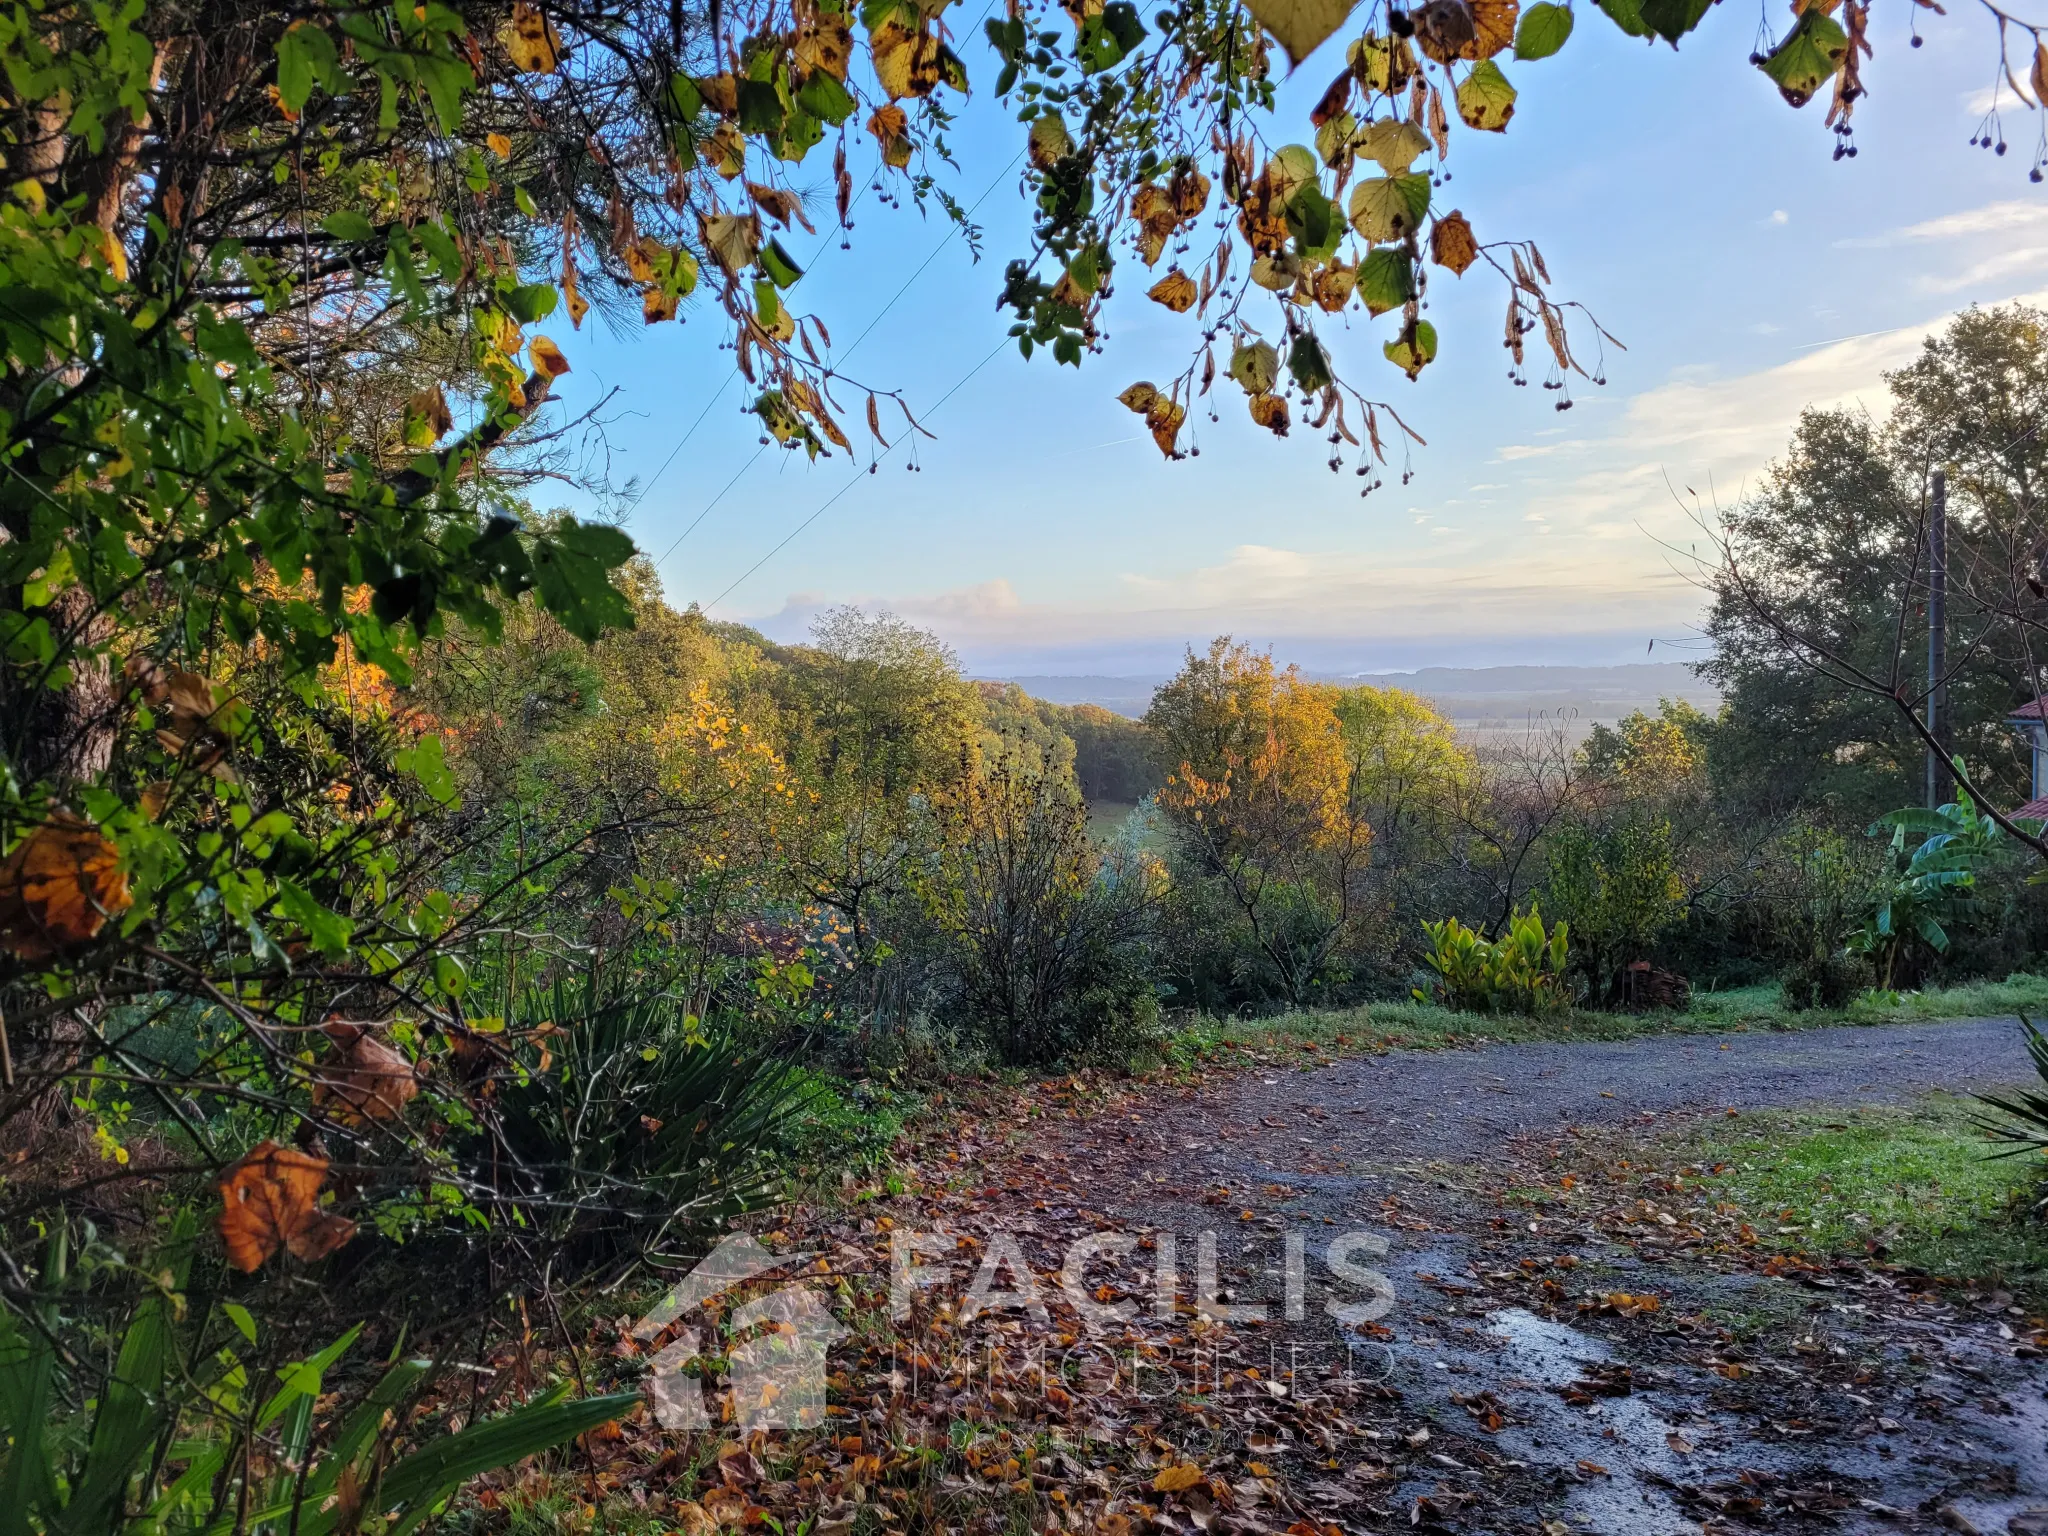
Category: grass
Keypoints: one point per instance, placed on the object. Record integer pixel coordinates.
(1424, 1026)
(1919, 1181)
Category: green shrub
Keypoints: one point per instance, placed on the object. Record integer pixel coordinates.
(1824, 981)
(187, 1432)
(1521, 972)
(633, 1121)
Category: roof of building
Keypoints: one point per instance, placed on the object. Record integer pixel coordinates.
(2036, 709)
(2033, 810)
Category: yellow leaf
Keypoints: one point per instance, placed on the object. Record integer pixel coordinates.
(1140, 397)
(547, 358)
(1176, 291)
(1270, 412)
(531, 41)
(1177, 1478)
(1299, 25)
(498, 145)
(1451, 243)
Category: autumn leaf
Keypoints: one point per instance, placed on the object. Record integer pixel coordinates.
(1176, 291)
(1452, 244)
(1412, 353)
(366, 1079)
(1334, 286)
(1385, 208)
(59, 887)
(1300, 25)
(1493, 28)
(1140, 397)
(427, 418)
(1048, 142)
(1808, 57)
(1177, 1478)
(1395, 145)
(1165, 420)
(656, 306)
(498, 145)
(270, 1200)
(577, 305)
(547, 358)
(1256, 367)
(907, 63)
(732, 239)
(823, 45)
(1485, 98)
(891, 130)
(531, 41)
(1270, 412)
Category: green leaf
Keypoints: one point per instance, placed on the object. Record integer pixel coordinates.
(326, 930)
(1485, 99)
(238, 1314)
(1386, 280)
(1299, 25)
(1672, 19)
(780, 266)
(305, 57)
(1544, 30)
(436, 1469)
(1808, 57)
(1627, 15)
(531, 302)
(1412, 359)
(760, 107)
(1308, 364)
(683, 96)
(1385, 208)
(572, 576)
(348, 224)
(1256, 367)
(1313, 221)
(825, 98)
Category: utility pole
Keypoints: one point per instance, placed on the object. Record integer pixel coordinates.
(1940, 776)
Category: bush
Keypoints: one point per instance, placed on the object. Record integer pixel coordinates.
(1825, 981)
(186, 1433)
(1521, 972)
(631, 1121)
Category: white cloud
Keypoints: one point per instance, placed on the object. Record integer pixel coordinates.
(1780, 216)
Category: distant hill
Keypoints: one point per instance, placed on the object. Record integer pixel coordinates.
(1485, 700)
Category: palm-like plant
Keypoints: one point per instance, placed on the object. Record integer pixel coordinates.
(1925, 886)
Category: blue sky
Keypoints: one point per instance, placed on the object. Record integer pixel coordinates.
(1702, 220)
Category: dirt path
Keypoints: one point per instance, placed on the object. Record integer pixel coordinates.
(1580, 1367)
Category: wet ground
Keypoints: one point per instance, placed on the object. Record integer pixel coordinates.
(1628, 1380)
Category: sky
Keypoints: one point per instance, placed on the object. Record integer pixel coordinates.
(1747, 273)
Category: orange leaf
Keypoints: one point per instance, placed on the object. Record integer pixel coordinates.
(547, 358)
(366, 1080)
(1177, 1478)
(59, 887)
(270, 1199)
